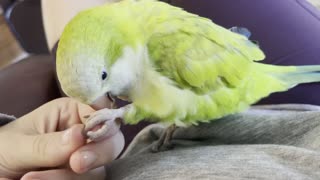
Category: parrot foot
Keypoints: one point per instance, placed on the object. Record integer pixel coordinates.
(103, 123)
(164, 142)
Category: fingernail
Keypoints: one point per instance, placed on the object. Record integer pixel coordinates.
(66, 137)
(87, 159)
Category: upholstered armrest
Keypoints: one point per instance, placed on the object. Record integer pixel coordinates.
(4, 4)
(27, 85)
(24, 18)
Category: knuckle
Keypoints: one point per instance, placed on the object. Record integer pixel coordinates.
(39, 147)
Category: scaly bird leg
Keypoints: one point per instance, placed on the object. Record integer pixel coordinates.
(164, 142)
(103, 123)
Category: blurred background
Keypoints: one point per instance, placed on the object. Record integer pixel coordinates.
(29, 26)
(10, 49)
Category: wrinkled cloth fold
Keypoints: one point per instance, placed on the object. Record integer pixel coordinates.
(265, 142)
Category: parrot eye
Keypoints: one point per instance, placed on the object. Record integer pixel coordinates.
(104, 75)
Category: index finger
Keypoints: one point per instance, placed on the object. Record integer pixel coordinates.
(56, 115)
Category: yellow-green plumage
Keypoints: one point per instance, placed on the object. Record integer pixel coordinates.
(194, 70)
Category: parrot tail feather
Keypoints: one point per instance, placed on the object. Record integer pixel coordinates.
(308, 68)
(296, 79)
(301, 75)
(291, 76)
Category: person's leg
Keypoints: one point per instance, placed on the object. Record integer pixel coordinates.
(287, 31)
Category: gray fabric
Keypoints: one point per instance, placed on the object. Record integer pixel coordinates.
(266, 142)
(4, 119)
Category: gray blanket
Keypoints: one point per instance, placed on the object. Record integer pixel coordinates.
(266, 142)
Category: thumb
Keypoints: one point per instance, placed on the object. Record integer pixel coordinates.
(52, 149)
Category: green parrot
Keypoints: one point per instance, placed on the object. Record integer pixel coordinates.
(173, 66)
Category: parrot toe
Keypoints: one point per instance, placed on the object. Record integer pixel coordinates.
(161, 146)
(95, 135)
(101, 124)
(164, 143)
(94, 120)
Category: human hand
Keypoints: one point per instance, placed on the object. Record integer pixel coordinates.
(51, 138)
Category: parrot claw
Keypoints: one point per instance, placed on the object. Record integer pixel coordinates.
(93, 135)
(94, 120)
(102, 124)
(164, 142)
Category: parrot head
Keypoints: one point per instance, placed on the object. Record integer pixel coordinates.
(96, 60)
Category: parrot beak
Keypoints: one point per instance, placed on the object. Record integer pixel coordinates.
(104, 101)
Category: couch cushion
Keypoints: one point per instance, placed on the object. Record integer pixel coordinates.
(27, 85)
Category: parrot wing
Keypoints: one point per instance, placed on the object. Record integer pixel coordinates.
(199, 55)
